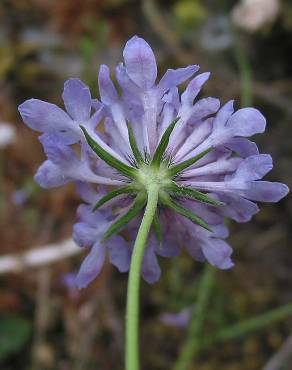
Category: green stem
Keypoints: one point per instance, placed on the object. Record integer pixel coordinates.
(191, 344)
(245, 72)
(245, 327)
(132, 316)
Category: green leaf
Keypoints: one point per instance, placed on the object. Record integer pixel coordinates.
(113, 194)
(14, 334)
(134, 146)
(108, 158)
(157, 228)
(167, 201)
(176, 169)
(138, 204)
(162, 146)
(187, 192)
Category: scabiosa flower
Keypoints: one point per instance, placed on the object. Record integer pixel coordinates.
(195, 152)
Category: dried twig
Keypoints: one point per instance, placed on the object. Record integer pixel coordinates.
(37, 257)
(280, 358)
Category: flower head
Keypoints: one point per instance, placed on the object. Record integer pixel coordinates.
(196, 153)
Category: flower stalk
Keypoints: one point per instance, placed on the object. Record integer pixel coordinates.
(132, 314)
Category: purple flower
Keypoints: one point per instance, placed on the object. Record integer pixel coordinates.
(179, 319)
(198, 153)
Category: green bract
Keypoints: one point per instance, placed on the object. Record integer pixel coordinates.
(159, 170)
(157, 227)
(108, 158)
(162, 146)
(113, 194)
(136, 152)
(134, 210)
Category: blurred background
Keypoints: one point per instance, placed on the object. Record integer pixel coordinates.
(45, 323)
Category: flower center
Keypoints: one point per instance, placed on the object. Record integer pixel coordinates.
(149, 175)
